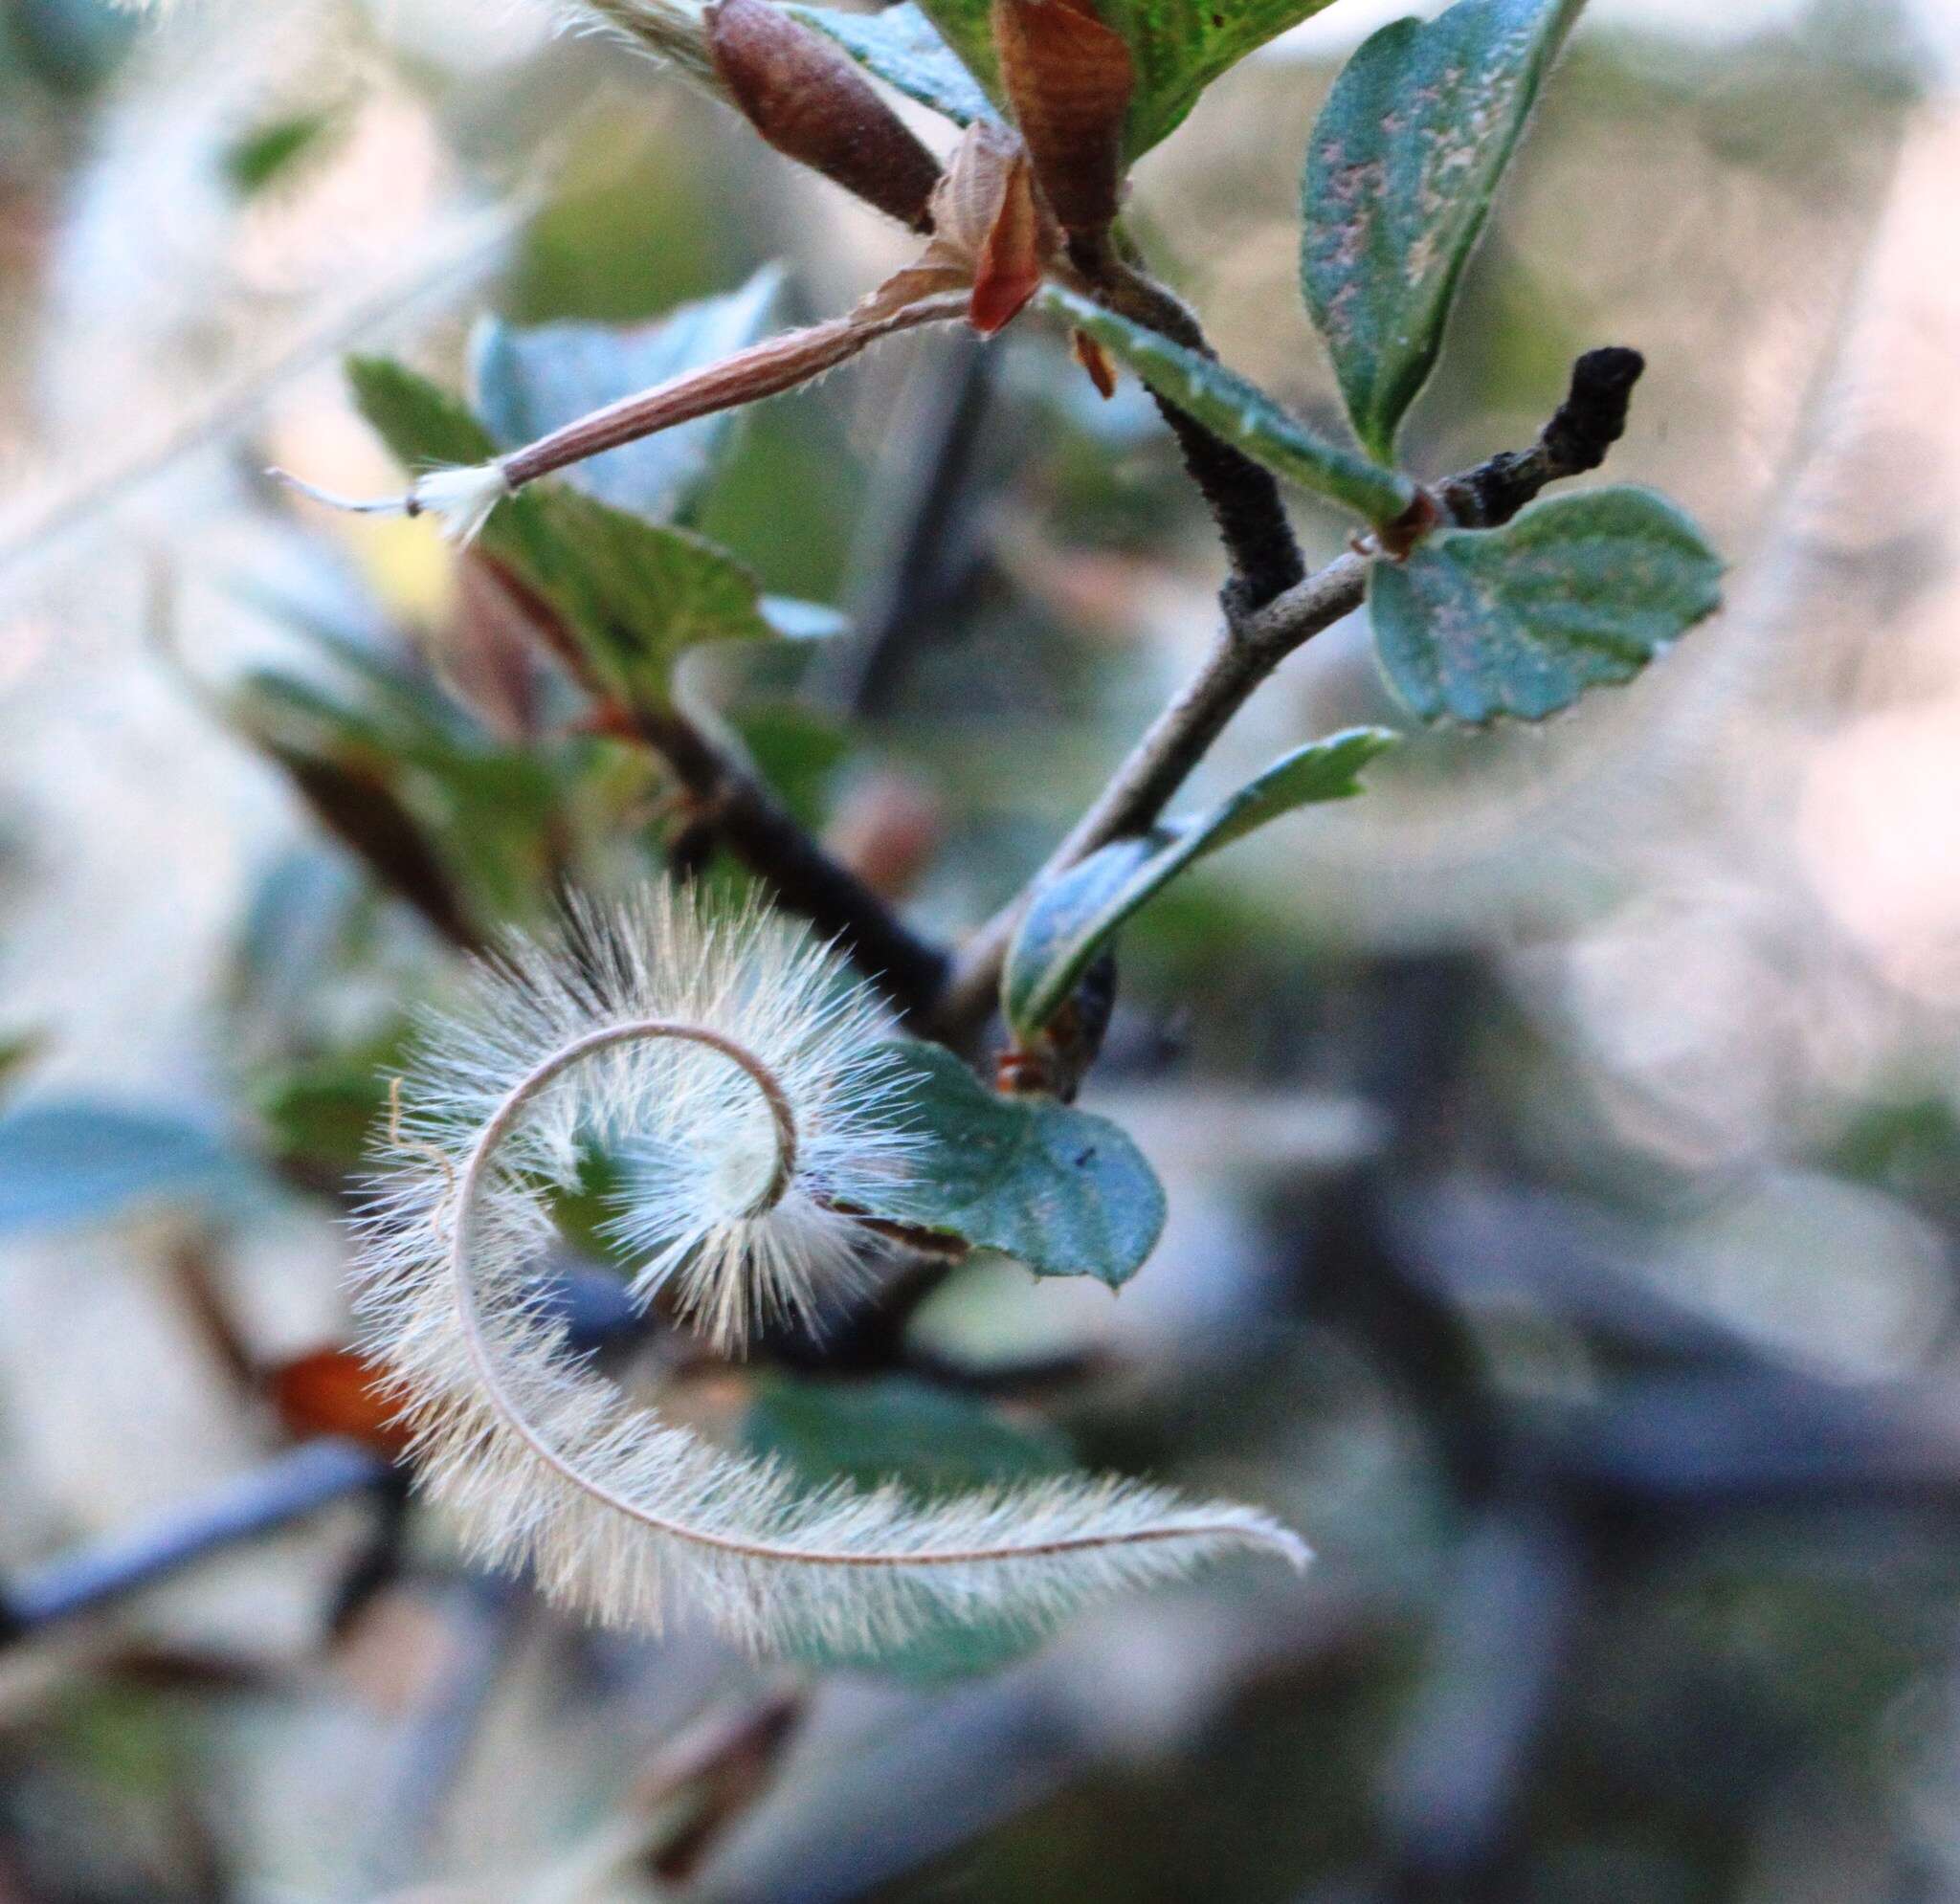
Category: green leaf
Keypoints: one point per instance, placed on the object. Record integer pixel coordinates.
(64, 1163)
(269, 151)
(1243, 413)
(1400, 175)
(637, 594)
(419, 421)
(1179, 47)
(1061, 1190)
(929, 1442)
(324, 1114)
(1576, 593)
(530, 382)
(18, 1050)
(1074, 916)
(906, 50)
(408, 776)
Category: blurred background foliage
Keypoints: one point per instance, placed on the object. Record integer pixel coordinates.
(1560, 1141)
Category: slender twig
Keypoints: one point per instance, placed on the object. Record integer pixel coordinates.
(803, 878)
(921, 549)
(718, 1770)
(1250, 648)
(486, 1615)
(286, 1489)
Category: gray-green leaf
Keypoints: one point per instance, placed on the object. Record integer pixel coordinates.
(1243, 413)
(1400, 175)
(1074, 916)
(1061, 1190)
(1579, 592)
(906, 51)
(64, 1163)
(531, 381)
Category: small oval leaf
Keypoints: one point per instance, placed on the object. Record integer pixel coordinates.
(1074, 916)
(1400, 174)
(1061, 1190)
(1577, 593)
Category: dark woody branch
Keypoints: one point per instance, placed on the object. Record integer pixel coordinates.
(803, 878)
(727, 802)
(1588, 422)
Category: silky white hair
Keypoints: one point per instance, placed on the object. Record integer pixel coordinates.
(749, 1086)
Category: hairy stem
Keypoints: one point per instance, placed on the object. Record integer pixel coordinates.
(1242, 496)
(765, 369)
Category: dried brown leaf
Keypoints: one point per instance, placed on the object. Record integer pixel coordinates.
(1069, 79)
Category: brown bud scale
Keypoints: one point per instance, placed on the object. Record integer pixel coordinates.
(808, 99)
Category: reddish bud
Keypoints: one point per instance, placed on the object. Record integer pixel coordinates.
(807, 97)
(1014, 256)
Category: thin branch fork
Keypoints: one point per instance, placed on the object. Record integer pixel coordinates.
(1591, 419)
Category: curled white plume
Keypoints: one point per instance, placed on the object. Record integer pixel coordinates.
(742, 1074)
(461, 500)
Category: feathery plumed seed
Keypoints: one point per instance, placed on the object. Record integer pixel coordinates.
(744, 1081)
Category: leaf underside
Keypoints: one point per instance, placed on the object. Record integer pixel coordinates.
(529, 382)
(70, 1162)
(1243, 413)
(906, 51)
